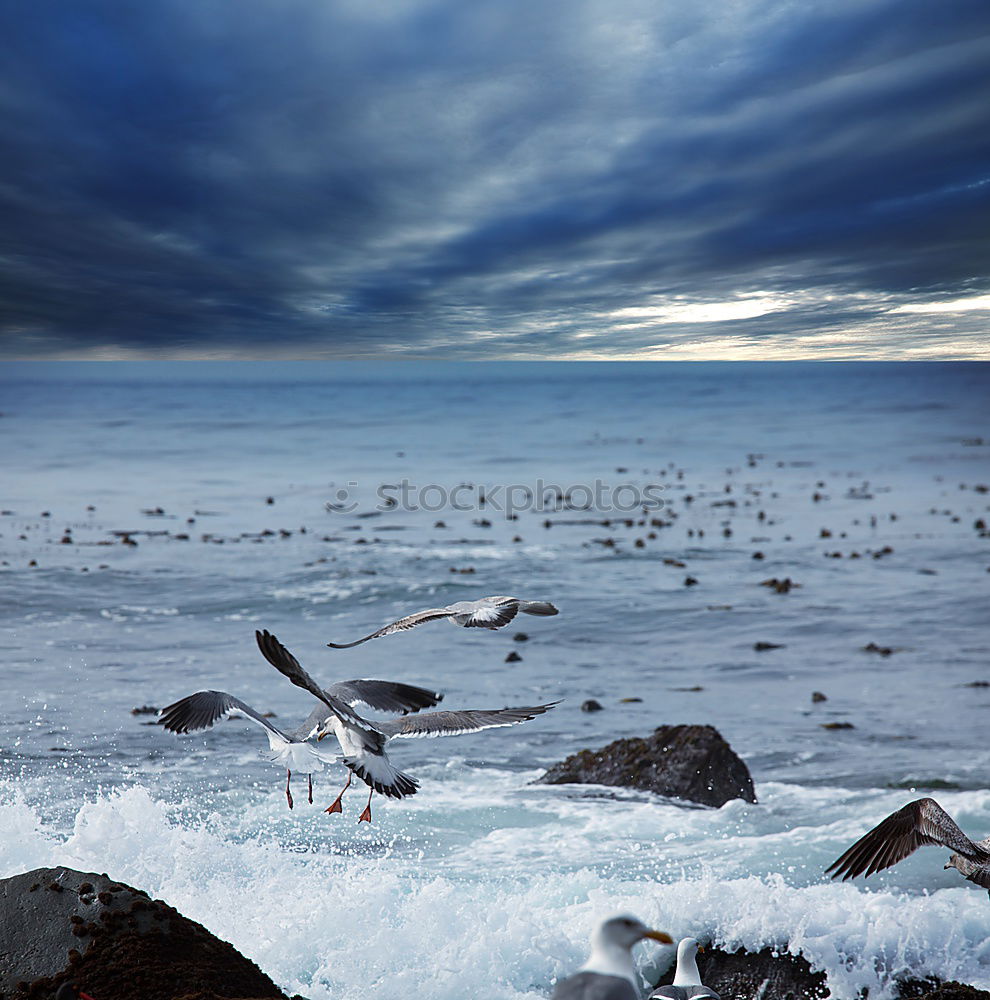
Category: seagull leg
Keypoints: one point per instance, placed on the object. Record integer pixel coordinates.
(310, 789)
(288, 792)
(335, 806)
(366, 815)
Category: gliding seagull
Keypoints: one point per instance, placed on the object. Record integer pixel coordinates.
(918, 823)
(201, 710)
(363, 742)
(488, 612)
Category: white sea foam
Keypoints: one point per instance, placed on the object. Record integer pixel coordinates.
(504, 915)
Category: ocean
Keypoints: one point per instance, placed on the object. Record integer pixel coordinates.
(154, 515)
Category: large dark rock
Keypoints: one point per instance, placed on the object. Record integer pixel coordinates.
(112, 941)
(685, 762)
(744, 975)
(935, 989)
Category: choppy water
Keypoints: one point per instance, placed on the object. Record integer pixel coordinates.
(484, 879)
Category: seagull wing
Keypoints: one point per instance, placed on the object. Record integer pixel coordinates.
(490, 614)
(410, 621)
(201, 710)
(385, 696)
(313, 724)
(287, 665)
(594, 986)
(457, 723)
(918, 823)
(683, 993)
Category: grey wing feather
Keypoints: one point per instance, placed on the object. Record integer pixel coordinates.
(893, 839)
(287, 665)
(542, 608)
(683, 993)
(594, 986)
(385, 696)
(457, 723)
(312, 725)
(201, 710)
(492, 617)
(410, 621)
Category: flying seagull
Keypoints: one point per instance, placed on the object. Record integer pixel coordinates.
(687, 980)
(918, 823)
(487, 612)
(363, 742)
(292, 750)
(609, 974)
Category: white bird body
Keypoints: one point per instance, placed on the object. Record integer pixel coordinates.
(610, 959)
(687, 973)
(687, 983)
(609, 973)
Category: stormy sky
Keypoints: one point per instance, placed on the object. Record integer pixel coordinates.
(495, 179)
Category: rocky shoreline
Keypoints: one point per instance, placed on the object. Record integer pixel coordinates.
(115, 942)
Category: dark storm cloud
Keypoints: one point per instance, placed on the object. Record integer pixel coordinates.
(491, 179)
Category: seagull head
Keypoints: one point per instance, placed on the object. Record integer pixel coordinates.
(688, 949)
(625, 931)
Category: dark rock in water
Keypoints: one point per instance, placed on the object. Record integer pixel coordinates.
(144, 710)
(817, 696)
(744, 975)
(929, 784)
(591, 706)
(762, 647)
(513, 657)
(629, 701)
(113, 942)
(837, 725)
(685, 762)
(872, 647)
(934, 989)
(520, 637)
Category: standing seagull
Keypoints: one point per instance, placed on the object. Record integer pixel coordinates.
(487, 612)
(687, 980)
(201, 710)
(918, 823)
(363, 742)
(609, 974)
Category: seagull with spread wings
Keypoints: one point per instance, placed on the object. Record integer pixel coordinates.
(487, 612)
(363, 742)
(292, 749)
(918, 823)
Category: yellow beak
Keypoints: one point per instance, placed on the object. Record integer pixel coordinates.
(701, 947)
(661, 936)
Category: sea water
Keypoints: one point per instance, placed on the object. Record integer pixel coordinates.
(322, 501)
